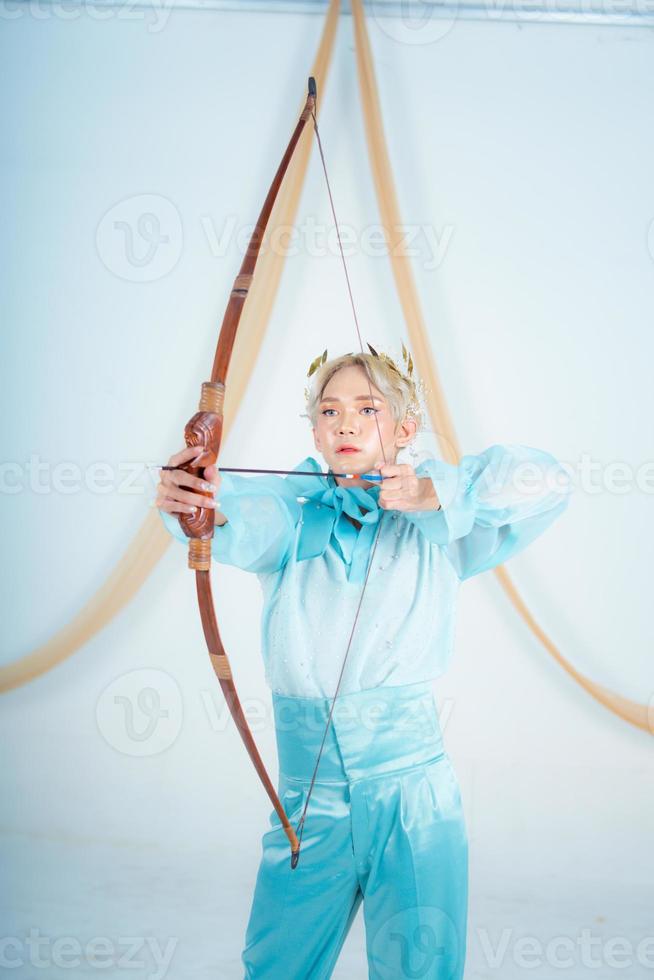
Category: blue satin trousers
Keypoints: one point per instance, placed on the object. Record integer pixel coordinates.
(384, 826)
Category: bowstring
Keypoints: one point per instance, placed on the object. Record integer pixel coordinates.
(300, 826)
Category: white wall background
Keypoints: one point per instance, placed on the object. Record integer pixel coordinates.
(527, 150)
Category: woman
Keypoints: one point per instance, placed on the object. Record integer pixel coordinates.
(381, 815)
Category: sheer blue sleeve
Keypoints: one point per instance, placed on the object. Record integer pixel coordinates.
(262, 514)
(493, 504)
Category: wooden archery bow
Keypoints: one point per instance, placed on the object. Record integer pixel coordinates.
(205, 429)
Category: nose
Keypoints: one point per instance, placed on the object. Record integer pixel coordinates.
(347, 424)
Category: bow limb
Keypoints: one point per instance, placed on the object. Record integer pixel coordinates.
(205, 429)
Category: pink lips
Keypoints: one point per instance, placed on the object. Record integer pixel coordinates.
(348, 449)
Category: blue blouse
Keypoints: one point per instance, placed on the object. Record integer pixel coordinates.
(311, 562)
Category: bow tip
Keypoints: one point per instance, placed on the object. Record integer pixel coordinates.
(313, 88)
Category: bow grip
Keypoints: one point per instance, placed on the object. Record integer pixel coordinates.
(204, 429)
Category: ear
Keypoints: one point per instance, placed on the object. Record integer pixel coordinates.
(405, 433)
(316, 439)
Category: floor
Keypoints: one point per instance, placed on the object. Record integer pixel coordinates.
(83, 909)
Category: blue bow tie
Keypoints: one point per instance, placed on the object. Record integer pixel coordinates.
(322, 515)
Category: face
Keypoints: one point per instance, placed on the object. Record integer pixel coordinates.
(348, 418)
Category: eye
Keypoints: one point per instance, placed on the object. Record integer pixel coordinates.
(326, 410)
(369, 408)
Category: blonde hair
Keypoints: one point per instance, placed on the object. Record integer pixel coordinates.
(399, 390)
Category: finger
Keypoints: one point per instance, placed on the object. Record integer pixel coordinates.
(409, 481)
(397, 489)
(388, 469)
(186, 454)
(389, 504)
(401, 504)
(171, 506)
(392, 497)
(398, 481)
(198, 499)
(188, 497)
(212, 475)
(393, 484)
(180, 478)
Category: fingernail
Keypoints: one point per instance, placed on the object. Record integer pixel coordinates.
(209, 486)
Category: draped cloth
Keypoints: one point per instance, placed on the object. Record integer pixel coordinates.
(151, 541)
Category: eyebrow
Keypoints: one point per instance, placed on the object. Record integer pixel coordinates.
(359, 398)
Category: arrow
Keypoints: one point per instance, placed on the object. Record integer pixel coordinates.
(376, 477)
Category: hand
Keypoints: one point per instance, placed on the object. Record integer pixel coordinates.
(173, 499)
(401, 489)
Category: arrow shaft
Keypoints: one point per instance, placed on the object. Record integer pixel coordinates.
(374, 477)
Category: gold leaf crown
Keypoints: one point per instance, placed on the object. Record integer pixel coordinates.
(416, 388)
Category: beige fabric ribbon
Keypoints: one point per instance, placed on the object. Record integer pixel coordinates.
(152, 539)
(631, 711)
